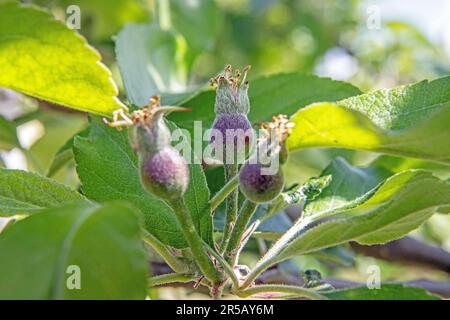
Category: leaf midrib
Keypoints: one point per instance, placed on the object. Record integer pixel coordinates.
(58, 277)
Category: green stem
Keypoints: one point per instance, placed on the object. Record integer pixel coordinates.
(226, 267)
(169, 278)
(246, 213)
(245, 238)
(271, 256)
(232, 206)
(165, 253)
(220, 196)
(298, 291)
(195, 242)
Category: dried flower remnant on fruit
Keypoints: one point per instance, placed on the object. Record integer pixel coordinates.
(163, 171)
(280, 125)
(231, 103)
(280, 128)
(231, 107)
(123, 118)
(231, 91)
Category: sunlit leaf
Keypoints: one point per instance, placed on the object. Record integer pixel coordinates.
(398, 164)
(410, 120)
(45, 59)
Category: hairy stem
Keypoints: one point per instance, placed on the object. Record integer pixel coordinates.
(245, 238)
(232, 206)
(226, 267)
(294, 290)
(245, 214)
(176, 264)
(220, 196)
(169, 278)
(195, 242)
(270, 258)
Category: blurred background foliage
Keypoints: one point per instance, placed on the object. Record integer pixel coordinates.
(328, 38)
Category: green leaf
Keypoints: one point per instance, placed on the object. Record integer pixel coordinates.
(24, 192)
(398, 164)
(107, 167)
(8, 137)
(196, 198)
(151, 61)
(339, 255)
(269, 96)
(103, 242)
(348, 186)
(298, 195)
(368, 213)
(386, 292)
(197, 194)
(52, 62)
(410, 120)
(215, 178)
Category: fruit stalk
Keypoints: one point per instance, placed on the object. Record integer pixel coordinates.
(231, 206)
(223, 193)
(205, 264)
(245, 215)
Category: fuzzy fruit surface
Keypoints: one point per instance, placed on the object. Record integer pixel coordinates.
(232, 127)
(258, 187)
(165, 173)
